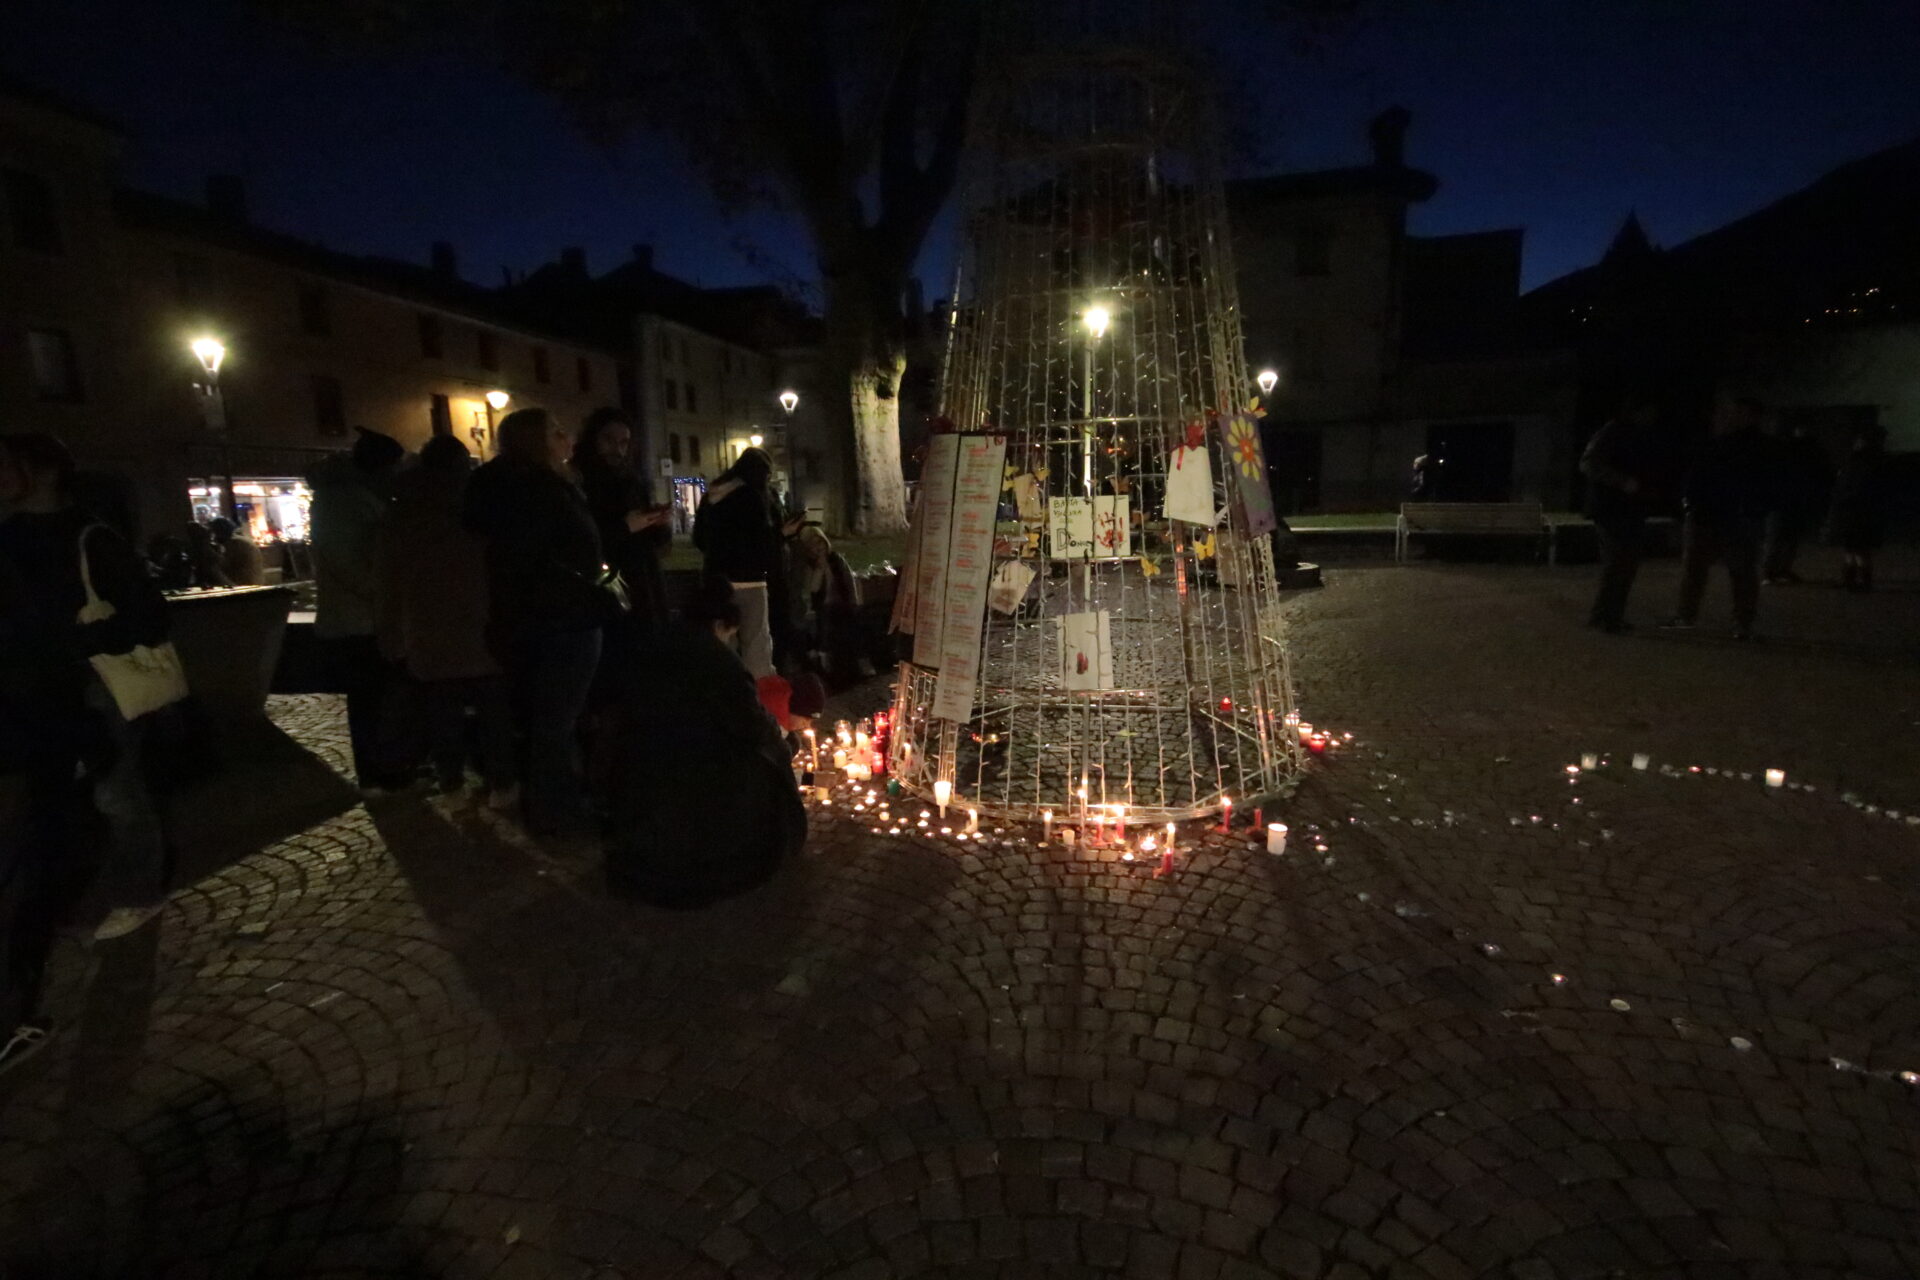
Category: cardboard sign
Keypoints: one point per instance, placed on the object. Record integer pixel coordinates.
(1190, 485)
(1247, 471)
(936, 532)
(978, 479)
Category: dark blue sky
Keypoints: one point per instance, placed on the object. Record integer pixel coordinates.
(1554, 115)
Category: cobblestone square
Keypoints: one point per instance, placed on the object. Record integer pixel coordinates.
(1489, 1016)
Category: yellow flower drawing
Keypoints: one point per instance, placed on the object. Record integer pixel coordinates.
(1243, 443)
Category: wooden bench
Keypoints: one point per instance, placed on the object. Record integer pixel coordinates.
(1522, 519)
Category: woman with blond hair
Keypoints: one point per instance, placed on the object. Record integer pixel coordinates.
(546, 605)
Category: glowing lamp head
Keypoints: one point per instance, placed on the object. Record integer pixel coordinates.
(1268, 380)
(1097, 319)
(789, 400)
(756, 439)
(497, 400)
(209, 352)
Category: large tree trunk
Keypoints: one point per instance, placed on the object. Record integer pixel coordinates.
(864, 347)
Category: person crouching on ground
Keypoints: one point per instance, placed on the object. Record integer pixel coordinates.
(705, 805)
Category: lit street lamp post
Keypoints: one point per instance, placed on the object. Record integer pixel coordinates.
(789, 401)
(496, 402)
(211, 353)
(1267, 380)
(1096, 319)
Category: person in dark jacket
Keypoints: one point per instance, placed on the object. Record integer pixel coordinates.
(633, 531)
(1805, 484)
(742, 534)
(547, 606)
(205, 565)
(1730, 489)
(61, 737)
(1624, 471)
(706, 806)
(433, 620)
(826, 605)
(1858, 521)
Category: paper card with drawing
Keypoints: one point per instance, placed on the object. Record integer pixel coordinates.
(1190, 485)
(1086, 650)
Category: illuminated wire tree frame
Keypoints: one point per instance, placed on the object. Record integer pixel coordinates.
(1097, 329)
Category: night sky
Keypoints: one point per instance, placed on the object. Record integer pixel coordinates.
(1554, 115)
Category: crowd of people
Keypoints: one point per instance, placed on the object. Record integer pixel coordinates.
(500, 631)
(1748, 500)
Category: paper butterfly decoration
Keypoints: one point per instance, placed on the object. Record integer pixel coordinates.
(1203, 547)
(1147, 567)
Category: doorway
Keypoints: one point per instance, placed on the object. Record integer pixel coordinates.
(1474, 461)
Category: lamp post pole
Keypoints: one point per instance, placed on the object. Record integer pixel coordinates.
(211, 352)
(496, 401)
(789, 401)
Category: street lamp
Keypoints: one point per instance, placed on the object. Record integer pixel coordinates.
(1267, 380)
(756, 439)
(1096, 319)
(211, 353)
(496, 401)
(789, 400)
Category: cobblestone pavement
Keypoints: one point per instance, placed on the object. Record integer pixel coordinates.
(1512, 1022)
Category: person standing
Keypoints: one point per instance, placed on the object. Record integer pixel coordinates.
(741, 533)
(547, 605)
(240, 558)
(1623, 467)
(350, 503)
(433, 621)
(633, 531)
(1858, 522)
(1806, 482)
(61, 733)
(1729, 491)
(204, 565)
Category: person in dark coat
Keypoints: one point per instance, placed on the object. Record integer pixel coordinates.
(706, 805)
(547, 606)
(433, 620)
(1730, 490)
(633, 531)
(1861, 495)
(1624, 471)
(742, 533)
(1805, 484)
(826, 605)
(62, 739)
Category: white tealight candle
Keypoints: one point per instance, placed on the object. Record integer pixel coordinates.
(942, 792)
(839, 759)
(1776, 777)
(1276, 837)
(1641, 759)
(1046, 824)
(1590, 760)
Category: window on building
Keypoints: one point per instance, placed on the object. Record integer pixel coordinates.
(489, 348)
(191, 279)
(673, 448)
(583, 370)
(693, 398)
(440, 416)
(541, 371)
(56, 370)
(31, 212)
(1313, 251)
(316, 313)
(673, 394)
(693, 451)
(329, 405)
(433, 344)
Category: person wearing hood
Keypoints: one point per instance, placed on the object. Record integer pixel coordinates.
(433, 620)
(350, 503)
(739, 530)
(826, 605)
(548, 605)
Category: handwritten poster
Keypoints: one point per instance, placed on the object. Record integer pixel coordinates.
(979, 477)
(907, 594)
(1090, 528)
(936, 531)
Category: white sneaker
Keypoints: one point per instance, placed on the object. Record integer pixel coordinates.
(122, 921)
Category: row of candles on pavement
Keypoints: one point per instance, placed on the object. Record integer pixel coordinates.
(1641, 760)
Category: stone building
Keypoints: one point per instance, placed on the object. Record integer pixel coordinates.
(1390, 345)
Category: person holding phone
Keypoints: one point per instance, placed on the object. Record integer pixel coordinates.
(633, 531)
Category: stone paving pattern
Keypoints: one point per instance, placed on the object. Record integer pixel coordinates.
(407, 1042)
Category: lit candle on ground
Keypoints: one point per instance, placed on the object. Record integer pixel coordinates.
(1590, 760)
(813, 750)
(1276, 837)
(1259, 816)
(839, 759)
(1046, 824)
(1776, 777)
(845, 734)
(1120, 823)
(1317, 743)
(1226, 814)
(1306, 730)
(1148, 844)
(1169, 837)
(1641, 759)
(973, 821)
(942, 792)
(1067, 836)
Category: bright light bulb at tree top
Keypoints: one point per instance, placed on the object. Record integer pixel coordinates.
(1267, 380)
(209, 352)
(497, 400)
(789, 401)
(1097, 319)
